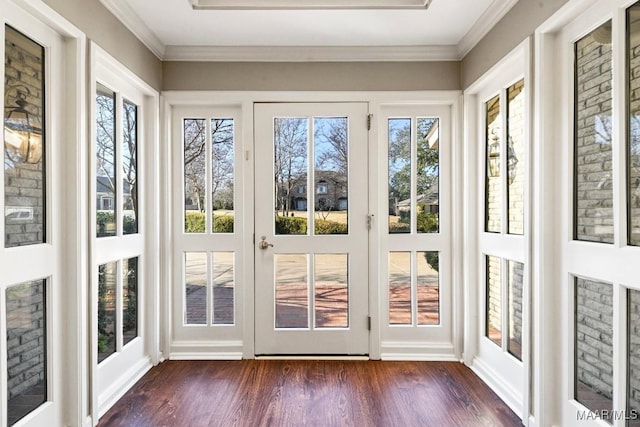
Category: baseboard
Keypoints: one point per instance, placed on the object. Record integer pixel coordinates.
(508, 394)
(408, 351)
(210, 350)
(111, 395)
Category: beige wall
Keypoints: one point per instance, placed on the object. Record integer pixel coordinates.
(513, 28)
(100, 26)
(298, 76)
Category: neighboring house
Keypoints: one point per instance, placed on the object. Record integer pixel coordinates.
(330, 192)
(105, 195)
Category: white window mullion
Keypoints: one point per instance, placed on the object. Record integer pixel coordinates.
(619, 128)
(619, 352)
(117, 173)
(207, 185)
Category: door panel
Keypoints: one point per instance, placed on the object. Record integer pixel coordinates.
(311, 229)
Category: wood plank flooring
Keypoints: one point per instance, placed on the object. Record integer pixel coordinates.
(314, 393)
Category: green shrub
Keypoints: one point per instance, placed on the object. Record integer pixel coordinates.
(194, 222)
(427, 222)
(222, 223)
(399, 227)
(433, 259)
(323, 226)
(291, 225)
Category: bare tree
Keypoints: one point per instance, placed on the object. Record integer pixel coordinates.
(290, 159)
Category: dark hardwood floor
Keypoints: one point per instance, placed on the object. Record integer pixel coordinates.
(315, 393)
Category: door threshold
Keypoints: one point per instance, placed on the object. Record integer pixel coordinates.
(311, 357)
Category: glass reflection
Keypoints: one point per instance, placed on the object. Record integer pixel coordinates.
(129, 300)
(331, 290)
(107, 281)
(195, 164)
(400, 205)
(26, 348)
(222, 174)
(130, 168)
(515, 155)
(493, 314)
(106, 161)
(593, 198)
(493, 185)
(400, 288)
(633, 350)
(223, 287)
(594, 344)
(195, 280)
(331, 175)
(633, 145)
(428, 285)
(292, 290)
(515, 278)
(291, 187)
(24, 139)
(428, 171)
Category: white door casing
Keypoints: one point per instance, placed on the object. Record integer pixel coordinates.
(300, 258)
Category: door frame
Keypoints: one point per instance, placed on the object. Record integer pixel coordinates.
(353, 340)
(245, 100)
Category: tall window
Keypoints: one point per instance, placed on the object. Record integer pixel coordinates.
(25, 219)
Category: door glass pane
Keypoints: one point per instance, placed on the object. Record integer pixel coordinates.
(400, 175)
(427, 267)
(106, 161)
(633, 329)
(331, 281)
(494, 300)
(515, 276)
(493, 196)
(331, 174)
(130, 168)
(515, 155)
(291, 142)
(594, 344)
(593, 198)
(107, 281)
(292, 290)
(195, 283)
(400, 288)
(633, 43)
(26, 348)
(223, 287)
(195, 164)
(129, 300)
(428, 173)
(222, 174)
(24, 165)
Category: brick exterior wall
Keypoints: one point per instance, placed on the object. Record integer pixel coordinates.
(634, 143)
(594, 336)
(493, 187)
(26, 359)
(593, 155)
(24, 183)
(494, 295)
(634, 349)
(516, 279)
(516, 150)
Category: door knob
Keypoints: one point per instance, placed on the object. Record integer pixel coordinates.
(264, 244)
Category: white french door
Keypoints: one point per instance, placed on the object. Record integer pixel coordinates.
(311, 229)
(32, 281)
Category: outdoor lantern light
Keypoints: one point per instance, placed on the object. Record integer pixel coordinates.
(512, 161)
(494, 156)
(22, 131)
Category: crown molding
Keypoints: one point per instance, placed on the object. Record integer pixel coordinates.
(494, 13)
(311, 53)
(307, 4)
(125, 14)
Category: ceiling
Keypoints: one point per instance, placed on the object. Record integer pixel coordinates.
(175, 30)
